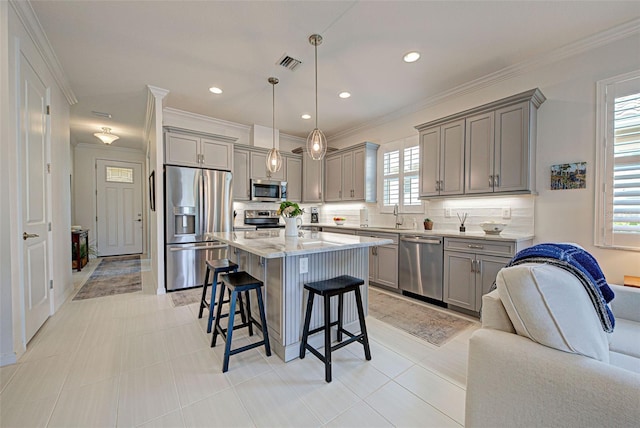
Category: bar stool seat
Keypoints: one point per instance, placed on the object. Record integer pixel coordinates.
(237, 283)
(337, 286)
(218, 266)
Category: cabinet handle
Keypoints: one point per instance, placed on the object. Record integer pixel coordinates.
(473, 264)
(441, 185)
(340, 194)
(496, 180)
(476, 246)
(478, 266)
(490, 180)
(437, 185)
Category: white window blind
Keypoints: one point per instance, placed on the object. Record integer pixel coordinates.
(391, 169)
(401, 168)
(411, 171)
(618, 163)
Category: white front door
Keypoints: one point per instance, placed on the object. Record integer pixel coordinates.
(119, 207)
(34, 128)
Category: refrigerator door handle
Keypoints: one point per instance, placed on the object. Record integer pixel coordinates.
(201, 195)
(197, 247)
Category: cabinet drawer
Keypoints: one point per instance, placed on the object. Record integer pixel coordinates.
(481, 246)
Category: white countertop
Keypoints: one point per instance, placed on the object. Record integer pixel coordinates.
(504, 236)
(271, 243)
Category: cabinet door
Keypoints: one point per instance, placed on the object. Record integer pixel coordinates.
(459, 280)
(216, 154)
(511, 170)
(479, 153)
(373, 263)
(294, 179)
(387, 269)
(182, 150)
(358, 173)
(452, 158)
(347, 176)
(311, 179)
(430, 162)
(241, 189)
(333, 179)
(258, 165)
(488, 268)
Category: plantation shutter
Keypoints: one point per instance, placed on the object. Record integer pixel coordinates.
(391, 171)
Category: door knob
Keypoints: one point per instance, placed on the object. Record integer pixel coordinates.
(139, 219)
(26, 235)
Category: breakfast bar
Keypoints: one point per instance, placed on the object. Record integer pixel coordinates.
(285, 264)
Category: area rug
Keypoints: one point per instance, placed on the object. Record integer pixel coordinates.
(113, 275)
(187, 297)
(432, 325)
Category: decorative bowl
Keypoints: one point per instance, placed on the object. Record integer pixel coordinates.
(339, 222)
(492, 227)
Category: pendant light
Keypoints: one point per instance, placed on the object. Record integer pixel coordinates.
(274, 159)
(106, 136)
(316, 141)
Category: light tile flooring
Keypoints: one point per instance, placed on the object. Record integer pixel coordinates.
(135, 360)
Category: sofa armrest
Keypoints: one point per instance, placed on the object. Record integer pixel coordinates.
(626, 304)
(513, 381)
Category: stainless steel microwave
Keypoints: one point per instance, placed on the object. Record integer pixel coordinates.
(268, 190)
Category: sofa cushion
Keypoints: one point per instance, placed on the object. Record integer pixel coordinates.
(626, 338)
(550, 306)
(493, 314)
(624, 361)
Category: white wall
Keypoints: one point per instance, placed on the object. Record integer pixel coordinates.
(84, 176)
(566, 133)
(12, 31)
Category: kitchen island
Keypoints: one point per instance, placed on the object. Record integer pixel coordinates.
(285, 264)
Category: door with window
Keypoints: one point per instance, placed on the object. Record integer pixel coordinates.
(119, 207)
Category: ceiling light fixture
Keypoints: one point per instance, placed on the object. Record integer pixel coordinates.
(316, 141)
(344, 94)
(215, 90)
(106, 136)
(306, 116)
(274, 158)
(411, 56)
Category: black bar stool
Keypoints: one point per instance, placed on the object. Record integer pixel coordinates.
(337, 286)
(218, 266)
(238, 282)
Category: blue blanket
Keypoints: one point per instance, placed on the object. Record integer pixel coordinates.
(582, 265)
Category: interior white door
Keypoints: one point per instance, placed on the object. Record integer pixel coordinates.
(119, 207)
(34, 127)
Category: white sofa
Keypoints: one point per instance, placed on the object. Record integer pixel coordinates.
(515, 381)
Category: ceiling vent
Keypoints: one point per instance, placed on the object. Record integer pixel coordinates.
(289, 62)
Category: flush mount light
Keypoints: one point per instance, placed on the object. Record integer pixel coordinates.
(215, 90)
(344, 94)
(411, 56)
(306, 116)
(106, 136)
(316, 141)
(274, 159)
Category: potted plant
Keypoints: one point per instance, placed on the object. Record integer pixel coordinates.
(428, 224)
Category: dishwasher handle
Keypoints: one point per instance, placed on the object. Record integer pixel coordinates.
(418, 240)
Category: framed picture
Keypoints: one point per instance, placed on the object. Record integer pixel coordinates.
(152, 191)
(569, 176)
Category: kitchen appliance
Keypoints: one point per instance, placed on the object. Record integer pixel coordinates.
(268, 190)
(262, 219)
(314, 215)
(420, 263)
(198, 202)
(364, 217)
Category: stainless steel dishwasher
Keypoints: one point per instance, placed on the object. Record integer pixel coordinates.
(420, 265)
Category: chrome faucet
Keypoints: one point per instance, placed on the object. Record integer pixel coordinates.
(399, 219)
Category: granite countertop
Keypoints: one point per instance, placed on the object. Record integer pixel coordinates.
(271, 243)
(504, 236)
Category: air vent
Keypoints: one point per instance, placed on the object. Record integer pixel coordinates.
(101, 114)
(289, 62)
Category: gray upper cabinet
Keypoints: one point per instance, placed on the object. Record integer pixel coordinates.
(294, 178)
(199, 150)
(498, 149)
(259, 168)
(311, 179)
(351, 174)
(442, 160)
(241, 189)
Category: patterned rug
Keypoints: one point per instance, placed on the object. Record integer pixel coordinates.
(187, 297)
(432, 325)
(113, 275)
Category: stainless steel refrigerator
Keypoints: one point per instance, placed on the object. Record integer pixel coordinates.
(197, 203)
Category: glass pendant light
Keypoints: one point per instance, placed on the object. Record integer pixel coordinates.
(106, 136)
(274, 159)
(316, 141)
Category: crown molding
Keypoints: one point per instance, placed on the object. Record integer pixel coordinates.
(591, 42)
(154, 94)
(207, 119)
(111, 148)
(30, 21)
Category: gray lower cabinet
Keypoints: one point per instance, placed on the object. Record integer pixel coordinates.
(339, 230)
(383, 261)
(471, 267)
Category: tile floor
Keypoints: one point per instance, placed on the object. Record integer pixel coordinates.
(135, 360)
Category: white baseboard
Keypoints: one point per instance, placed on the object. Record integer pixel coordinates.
(7, 359)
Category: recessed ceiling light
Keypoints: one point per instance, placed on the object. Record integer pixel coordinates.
(306, 116)
(411, 56)
(344, 94)
(215, 90)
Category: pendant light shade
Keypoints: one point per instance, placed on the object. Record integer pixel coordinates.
(274, 159)
(316, 141)
(106, 136)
